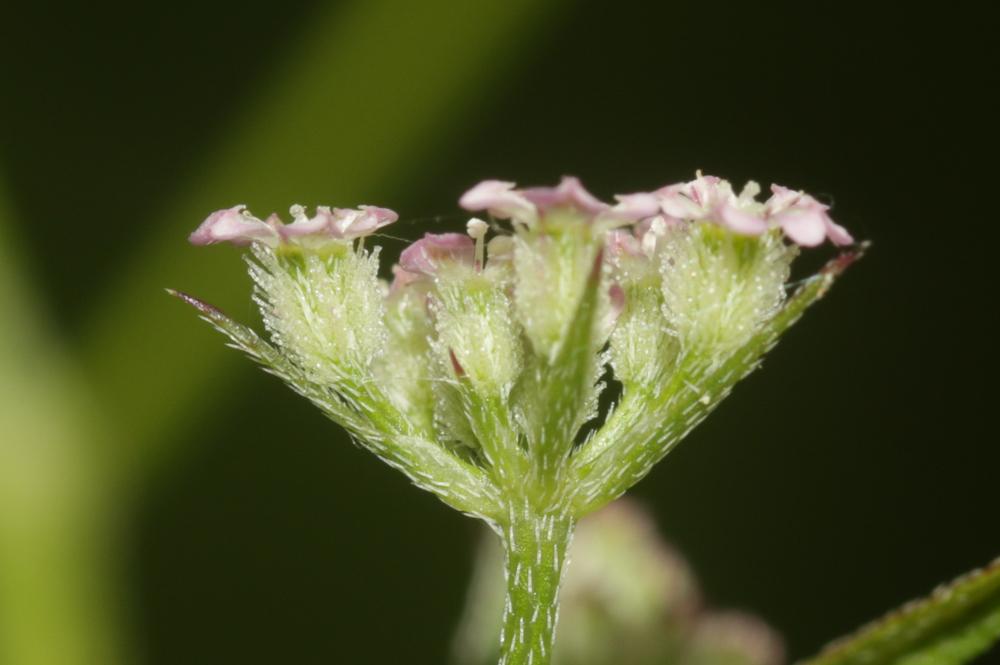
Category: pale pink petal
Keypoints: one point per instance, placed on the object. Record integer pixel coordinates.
(805, 226)
(634, 207)
(426, 255)
(704, 189)
(380, 216)
(338, 223)
(303, 225)
(365, 220)
(569, 193)
(837, 234)
(804, 219)
(341, 221)
(782, 198)
(676, 202)
(739, 220)
(235, 225)
(500, 200)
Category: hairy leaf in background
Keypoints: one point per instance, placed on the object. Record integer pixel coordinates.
(953, 625)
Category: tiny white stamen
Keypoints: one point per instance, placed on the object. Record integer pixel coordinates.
(476, 229)
(749, 192)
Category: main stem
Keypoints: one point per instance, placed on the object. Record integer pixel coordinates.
(535, 544)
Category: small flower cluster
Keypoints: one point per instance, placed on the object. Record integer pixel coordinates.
(478, 370)
(492, 352)
(707, 198)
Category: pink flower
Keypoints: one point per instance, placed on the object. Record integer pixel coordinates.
(339, 223)
(711, 198)
(803, 219)
(426, 255)
(235, 225)
(238, 226)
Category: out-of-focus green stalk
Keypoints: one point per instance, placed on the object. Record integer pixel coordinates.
(56, 547)
(366, 98)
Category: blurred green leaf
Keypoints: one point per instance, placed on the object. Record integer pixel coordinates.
(364, 100)
(56, 600)
(954, 624)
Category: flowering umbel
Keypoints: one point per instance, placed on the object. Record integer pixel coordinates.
(478, 369)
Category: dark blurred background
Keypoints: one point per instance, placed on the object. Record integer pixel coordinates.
(855, 471)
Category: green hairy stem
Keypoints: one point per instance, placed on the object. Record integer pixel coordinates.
(535, 545)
